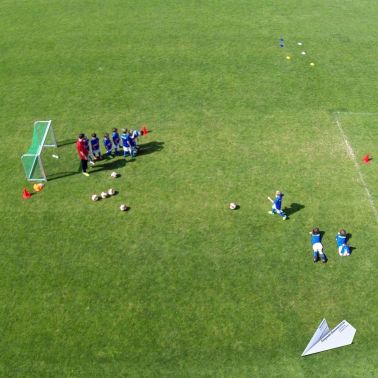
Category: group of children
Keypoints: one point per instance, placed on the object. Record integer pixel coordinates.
(112, 144)
(316, 237)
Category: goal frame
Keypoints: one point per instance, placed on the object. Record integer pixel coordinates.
(49, 131)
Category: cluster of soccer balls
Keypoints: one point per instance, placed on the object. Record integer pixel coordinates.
(109, 193)
(103, 195)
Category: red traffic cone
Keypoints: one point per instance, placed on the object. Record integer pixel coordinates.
(25, 194)
(366, 159)
(144, 130)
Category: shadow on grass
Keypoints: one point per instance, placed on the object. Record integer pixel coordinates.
(105, 165)
(150, 147)
(322, 233)
(294, 207)
(109, 164)
(352, 249)
(348, 237)
(66, 142)
(59, 175)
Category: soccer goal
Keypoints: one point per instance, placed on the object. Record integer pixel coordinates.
(43, 136)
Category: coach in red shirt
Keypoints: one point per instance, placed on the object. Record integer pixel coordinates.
(83, 154)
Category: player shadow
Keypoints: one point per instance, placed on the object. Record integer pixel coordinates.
(150, 147)
(352, 249)
(59, 175)
(66, 142)
(109, 164)
(104, 165)
(293, 208)
(348, 237)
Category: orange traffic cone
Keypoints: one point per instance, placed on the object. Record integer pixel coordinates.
(25, 194)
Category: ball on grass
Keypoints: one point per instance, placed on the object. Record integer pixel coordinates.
(38, 187)
(233, 205)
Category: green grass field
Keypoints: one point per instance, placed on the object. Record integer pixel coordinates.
(180, 286)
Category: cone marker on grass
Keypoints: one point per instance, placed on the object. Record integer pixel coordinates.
(366, 159)
(25, 194)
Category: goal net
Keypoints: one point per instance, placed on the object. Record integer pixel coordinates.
(43, 136)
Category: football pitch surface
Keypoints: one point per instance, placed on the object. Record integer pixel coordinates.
(181, 286)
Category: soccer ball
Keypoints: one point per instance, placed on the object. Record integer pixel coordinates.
(111, 192)
(114, 174)
(104, 195)
(95, 197)
(123, 207)
(38, 187)
(233, 205)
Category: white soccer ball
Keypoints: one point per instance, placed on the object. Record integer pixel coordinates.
(94, 197)
(104, 195)
(123, 207)
(111, 192)
(233, 205)
(114, 174)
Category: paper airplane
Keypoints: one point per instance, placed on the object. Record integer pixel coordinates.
(326, 339)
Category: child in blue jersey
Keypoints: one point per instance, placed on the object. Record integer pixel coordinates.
(108, 145)
(86, 144)
(341, 241)
(95, 146)
(116, 140)
(277, 205)
(133, 142)
(135, 134)
(317, 246)
(125, 136)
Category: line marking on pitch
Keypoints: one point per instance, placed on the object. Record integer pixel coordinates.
(352, 155)
(357, 113)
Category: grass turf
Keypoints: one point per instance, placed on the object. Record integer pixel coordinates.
(180, 285)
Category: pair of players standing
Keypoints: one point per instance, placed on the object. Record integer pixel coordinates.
(317, 246)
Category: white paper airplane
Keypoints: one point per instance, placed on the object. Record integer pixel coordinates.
(324, 339)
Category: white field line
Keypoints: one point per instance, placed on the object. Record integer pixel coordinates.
(351, 153)
(357, 113)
